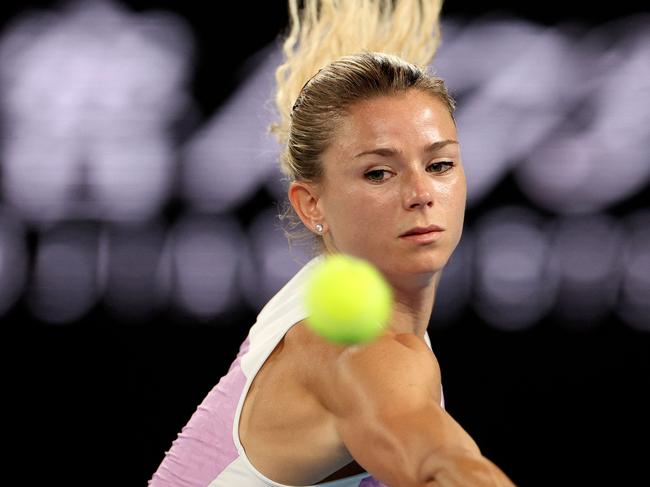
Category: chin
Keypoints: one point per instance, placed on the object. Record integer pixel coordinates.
(422, 264)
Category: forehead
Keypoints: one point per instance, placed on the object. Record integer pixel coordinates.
(399, 120)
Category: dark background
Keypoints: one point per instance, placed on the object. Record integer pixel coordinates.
(98, 402)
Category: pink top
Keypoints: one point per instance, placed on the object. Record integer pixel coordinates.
(207, 452)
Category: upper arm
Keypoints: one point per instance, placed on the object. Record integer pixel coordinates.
(382, 396)
(374, 376)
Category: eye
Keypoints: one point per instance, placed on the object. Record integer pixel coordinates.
(376, 175)
(440, 167)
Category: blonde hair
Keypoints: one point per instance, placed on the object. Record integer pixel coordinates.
(337, 53)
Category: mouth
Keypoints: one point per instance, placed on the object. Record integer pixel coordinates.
(422, 230)
(422, 235)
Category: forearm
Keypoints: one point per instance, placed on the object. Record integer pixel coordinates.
(435, 451)
(461, 468)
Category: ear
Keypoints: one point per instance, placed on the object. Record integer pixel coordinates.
(305, 199)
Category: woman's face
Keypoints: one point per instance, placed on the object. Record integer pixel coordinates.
(394, 164)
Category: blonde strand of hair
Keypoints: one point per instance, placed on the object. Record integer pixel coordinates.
(325, 30)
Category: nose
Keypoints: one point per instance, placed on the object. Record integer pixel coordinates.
(418, 191)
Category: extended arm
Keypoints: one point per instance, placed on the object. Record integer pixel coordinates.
(382, 396)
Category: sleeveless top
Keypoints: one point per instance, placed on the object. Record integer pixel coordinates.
(207, 451)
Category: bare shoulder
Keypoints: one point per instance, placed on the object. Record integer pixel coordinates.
(373, 374)
(390, 369)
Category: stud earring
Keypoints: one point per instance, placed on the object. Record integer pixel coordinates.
(319, 228)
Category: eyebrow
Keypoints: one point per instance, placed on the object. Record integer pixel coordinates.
(389, 151)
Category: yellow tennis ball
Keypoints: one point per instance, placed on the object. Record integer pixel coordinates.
(348, 300)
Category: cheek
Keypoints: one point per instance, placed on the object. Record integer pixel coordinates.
(459, 196)
(360, 213)
(452, 194)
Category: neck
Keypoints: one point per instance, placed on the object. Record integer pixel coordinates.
(413, 303)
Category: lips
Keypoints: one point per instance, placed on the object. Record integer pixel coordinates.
(421, 230)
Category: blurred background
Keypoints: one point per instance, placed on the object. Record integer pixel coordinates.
(138, 233)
